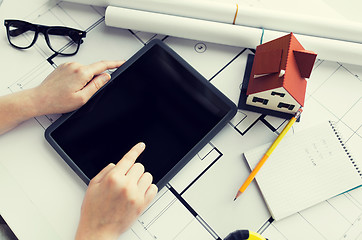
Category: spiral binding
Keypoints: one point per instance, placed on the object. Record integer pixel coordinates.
(336, 131)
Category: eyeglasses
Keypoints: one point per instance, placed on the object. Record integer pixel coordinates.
(61, 40)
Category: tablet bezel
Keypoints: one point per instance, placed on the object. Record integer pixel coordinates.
(181, 163)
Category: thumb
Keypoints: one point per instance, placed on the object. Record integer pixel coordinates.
(95, 84)
(150, 194)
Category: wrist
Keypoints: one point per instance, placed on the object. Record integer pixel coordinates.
(88, 230)
(94, 234)
(31, 106)
(22, 105)
(38, 101)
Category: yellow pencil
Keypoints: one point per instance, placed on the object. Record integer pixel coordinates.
(268, 153)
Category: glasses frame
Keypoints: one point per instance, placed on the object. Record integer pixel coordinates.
(77, 38)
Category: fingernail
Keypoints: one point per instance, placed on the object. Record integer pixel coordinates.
(106, 77)
(142, 145)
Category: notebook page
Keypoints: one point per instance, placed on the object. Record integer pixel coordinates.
(304, 169)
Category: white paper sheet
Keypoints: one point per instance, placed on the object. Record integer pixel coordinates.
(228, 34)
(284, 21)
(224, 66)
(218, 11)
(17, 201)
(230, 12)
(182, 27)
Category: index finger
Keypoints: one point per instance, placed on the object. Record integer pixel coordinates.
(101, 66)
(129, 159)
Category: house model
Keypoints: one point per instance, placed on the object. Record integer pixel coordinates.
(277, 80)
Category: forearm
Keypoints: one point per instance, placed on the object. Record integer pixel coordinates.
(16, 108)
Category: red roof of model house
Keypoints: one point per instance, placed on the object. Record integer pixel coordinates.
(281, 65)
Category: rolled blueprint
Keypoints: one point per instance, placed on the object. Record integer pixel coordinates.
(218, 11)
(232, 13)
(183, 27)
(228, 34)
(300, 24)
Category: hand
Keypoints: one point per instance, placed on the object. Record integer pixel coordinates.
(71, 85)
(115, 198)
(64, 90)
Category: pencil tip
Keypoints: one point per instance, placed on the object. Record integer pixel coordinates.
(237, 195)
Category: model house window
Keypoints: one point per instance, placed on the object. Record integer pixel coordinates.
(261, 100)
(286, 105)
(277, 94)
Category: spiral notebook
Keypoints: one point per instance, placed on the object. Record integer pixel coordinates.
(305, 169)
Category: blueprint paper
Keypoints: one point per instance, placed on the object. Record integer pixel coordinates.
(182, 27)
(18, 202)
(218, 11)
(188, 204)
(229, 12)
(284, 21)
(228, 34)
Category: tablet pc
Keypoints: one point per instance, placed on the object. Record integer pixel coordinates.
(155, 97)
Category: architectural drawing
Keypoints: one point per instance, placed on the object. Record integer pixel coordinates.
(198, 202)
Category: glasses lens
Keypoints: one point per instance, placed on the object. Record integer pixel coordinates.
(21, 34)
(63, 40)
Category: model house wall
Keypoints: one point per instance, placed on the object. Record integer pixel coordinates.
(277, 99)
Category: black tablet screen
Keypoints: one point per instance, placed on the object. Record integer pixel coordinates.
(154, 100)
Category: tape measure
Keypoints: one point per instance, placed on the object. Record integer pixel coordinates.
(244, 235)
